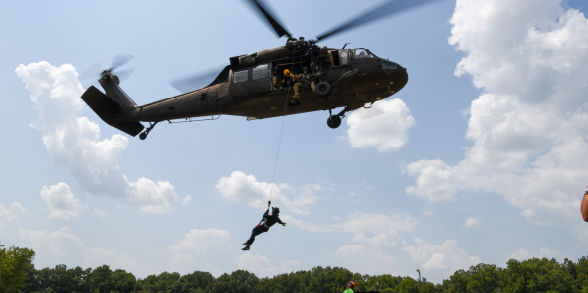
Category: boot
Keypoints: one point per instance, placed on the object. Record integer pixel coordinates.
(246, 247)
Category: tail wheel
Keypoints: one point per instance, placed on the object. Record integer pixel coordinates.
(322, 89)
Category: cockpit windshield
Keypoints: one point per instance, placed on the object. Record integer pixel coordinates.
(363, 53)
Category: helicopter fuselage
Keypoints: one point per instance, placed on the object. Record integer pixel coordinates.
(357, 79)
(254, 86)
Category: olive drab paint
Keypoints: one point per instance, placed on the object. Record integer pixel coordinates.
(250, 85)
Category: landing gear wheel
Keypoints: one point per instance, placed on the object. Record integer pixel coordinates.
(322, 89)
(334, 121)
(144, 134)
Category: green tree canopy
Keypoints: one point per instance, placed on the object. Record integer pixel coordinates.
(15, 265)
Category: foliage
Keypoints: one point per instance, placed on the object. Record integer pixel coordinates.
(15, 263)
(17, 274)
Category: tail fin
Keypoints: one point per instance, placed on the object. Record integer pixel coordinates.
(107, 108)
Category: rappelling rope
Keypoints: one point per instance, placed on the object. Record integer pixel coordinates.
(279, 146)
(279, 143)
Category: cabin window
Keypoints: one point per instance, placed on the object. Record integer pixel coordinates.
(344, 55)
(240, 76)
(260, 72)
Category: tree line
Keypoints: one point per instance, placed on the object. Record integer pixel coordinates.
(17, 274)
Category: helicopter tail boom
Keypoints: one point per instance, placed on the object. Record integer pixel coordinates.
(108, 109)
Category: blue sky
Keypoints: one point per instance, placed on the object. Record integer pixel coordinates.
(489, 141)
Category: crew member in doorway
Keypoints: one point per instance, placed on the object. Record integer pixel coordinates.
(303, 79)
(584, 205)
(287, 78)
(276, 83)
(264, 225)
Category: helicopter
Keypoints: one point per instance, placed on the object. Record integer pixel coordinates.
(254, 86)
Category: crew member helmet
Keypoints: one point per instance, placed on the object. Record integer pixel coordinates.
(351, 284)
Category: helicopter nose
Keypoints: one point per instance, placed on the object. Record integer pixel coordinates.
(397, 73)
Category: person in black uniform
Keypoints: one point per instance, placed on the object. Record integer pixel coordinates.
(264, 225)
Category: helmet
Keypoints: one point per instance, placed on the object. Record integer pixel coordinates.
(275, 210)
(305, 68)
(351, 284)
(286, 71)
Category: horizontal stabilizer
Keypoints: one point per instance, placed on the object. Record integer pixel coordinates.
(106, 108)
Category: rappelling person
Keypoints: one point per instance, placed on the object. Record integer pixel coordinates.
(349, 287)
(303, 79)
(264, 225)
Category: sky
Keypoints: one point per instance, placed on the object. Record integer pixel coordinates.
(480, 158)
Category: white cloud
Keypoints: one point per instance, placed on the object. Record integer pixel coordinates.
(18, 208)
(202, 249)
(246, 189)
(529, 125)
(384, 126)
(471, 222)
(61, 201)
(524, 254)
(62, 246)
(74, 141)
(186, 200)
(6, 216)
(99, 213)
(377, 229)
(261, 265)
(441, 259)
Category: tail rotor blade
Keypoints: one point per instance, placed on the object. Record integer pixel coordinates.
(120, 60)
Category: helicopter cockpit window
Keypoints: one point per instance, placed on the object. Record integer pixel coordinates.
(362, 53)
(260, 72)
(240, 76)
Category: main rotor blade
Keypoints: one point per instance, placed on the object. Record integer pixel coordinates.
(386, 9)
(278, 28)
(193, 82)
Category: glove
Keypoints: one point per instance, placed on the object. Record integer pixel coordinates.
(284, 224)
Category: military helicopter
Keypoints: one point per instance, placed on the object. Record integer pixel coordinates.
(253, 85)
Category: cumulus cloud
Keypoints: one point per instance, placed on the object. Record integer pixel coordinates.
(6, 215)
(202, 249)
(246, 189)
(529, 125)
(376, 245)
(18, 208)
(444, 258)
(471, 222)
(523, 254)
(63, 246)
(384, 126)
(261, 265)
(99, 213)
(186, 200)
(74, 141)
(61, 201)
